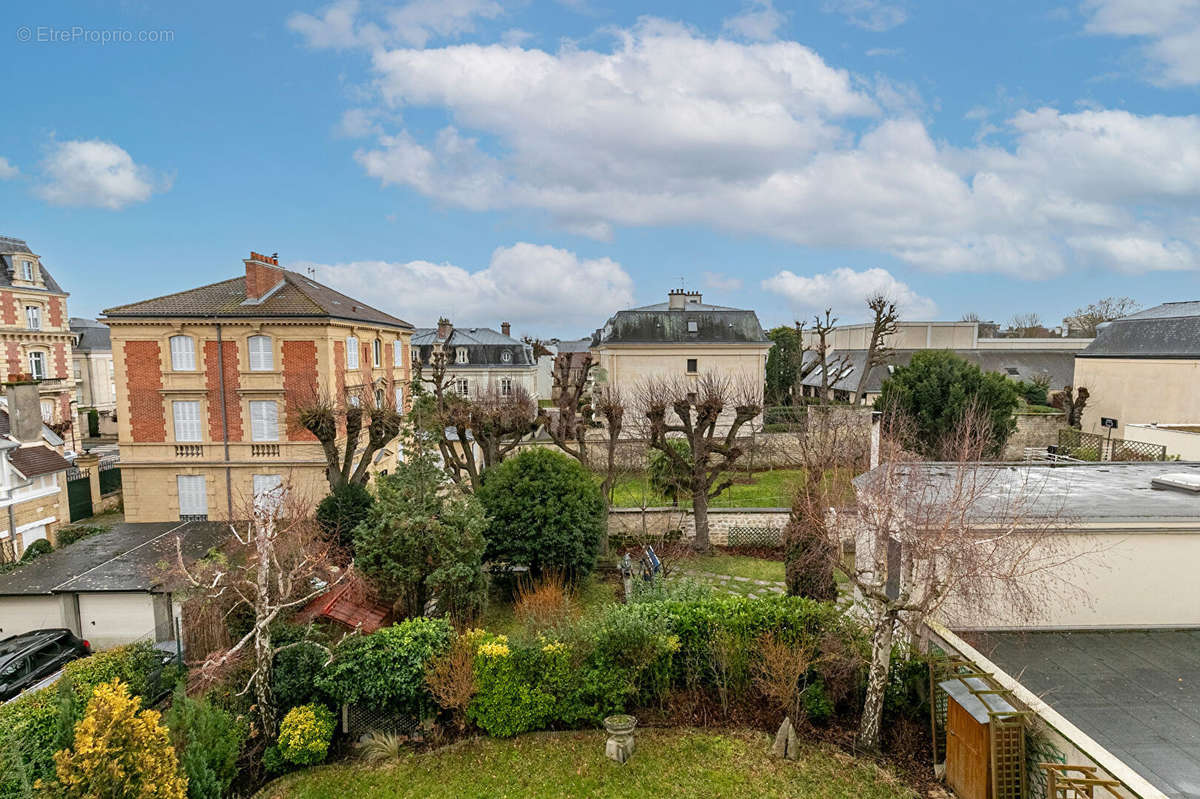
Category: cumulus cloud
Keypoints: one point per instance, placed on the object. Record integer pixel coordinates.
(758, 22)
(98, 174)
(670, 127)
(1170, 30)
(8, 171)
(340, 25)
(872, 15)
(847, 291)
(536, 287)
(721, 282)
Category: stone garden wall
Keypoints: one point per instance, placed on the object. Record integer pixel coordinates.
(727, 526)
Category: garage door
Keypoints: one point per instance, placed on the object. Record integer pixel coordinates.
(20, 614)
(112, 619)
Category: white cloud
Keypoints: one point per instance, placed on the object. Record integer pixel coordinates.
(758, 22)
(340, 25)
(721, 282)
(1170, 29)
(876, 52)
(96, 173)
(358, 123)
(8, 171)
(846, 291)
(872, 15)
(536, 287)
(669, 127)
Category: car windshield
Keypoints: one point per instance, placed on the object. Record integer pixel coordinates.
(13, 670)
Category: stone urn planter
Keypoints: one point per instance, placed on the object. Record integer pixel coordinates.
(619, 746)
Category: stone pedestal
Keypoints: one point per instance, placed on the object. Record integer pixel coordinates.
(620, 744)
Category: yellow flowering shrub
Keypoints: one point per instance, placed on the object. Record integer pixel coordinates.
(118, 752)
(494, 649)
(305, 733)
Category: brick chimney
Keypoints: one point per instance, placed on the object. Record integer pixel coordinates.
(444, 328)
(24, 408)
(505, 327)
(262, 274)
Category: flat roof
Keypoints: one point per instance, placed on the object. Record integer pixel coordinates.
(1086, 492)
(1136, 692)
(129, 557)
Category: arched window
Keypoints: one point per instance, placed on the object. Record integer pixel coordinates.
(377, 352)
(183, 354)
(262, 356)
(37, 365)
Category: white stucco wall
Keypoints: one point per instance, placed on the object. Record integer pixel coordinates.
(110, 619)
(20, 614)
(1133, 390)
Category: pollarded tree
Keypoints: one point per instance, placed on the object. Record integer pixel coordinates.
(545, 511)
(340, 424)
(423, 540)
(707, 413)
(934, 393)
(885, 321)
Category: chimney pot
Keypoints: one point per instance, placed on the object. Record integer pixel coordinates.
(444, 328)
(505, 327)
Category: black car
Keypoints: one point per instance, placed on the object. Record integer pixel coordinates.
(29, 658)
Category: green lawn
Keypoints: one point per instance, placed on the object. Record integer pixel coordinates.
(772, 489)
(668, 764)
(735, 566)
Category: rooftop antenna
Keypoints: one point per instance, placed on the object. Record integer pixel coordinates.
(312, 271)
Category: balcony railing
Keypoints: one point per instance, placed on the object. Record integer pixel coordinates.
(189, 451)
(264, 450)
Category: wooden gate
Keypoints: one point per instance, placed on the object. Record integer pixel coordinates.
(79, 494)
(968, 754)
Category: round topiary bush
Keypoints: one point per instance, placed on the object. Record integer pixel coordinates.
(546, 511)
(305, 733)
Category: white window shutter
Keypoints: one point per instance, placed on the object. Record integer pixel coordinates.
(183, 353)
(397, 352)
(193, 495)
(351, 352)
(399, 398)
(262, 357)
(187, 420)
(264, 421)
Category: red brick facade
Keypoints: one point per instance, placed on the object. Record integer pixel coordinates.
(12, 359)
(143, 370)
(59, 367)
(58, 308)
(8, 308)
(212, 368)
(299, 381)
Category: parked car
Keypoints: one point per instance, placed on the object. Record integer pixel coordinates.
(29, 658)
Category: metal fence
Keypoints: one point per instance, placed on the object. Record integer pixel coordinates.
(1083, 446)
(110, 476)
(359, 720)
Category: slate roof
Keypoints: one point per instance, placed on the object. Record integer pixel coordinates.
(485, 347)
(129, 557)
(10, 247)
(38, 460)
(1086, 493)
(1136, 692)
(91, 336)
(1170, 330)
(1059, 366)
(297, 297)
(660, 324)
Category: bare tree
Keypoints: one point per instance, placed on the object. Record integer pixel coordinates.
(970, 316)
(339, 422)
(1084, 321)
(277, 562)
(609, 405)
(707, 413)
(949, 537)
(568, 424)
(1027, 325)
(831, 368)
(884, 323)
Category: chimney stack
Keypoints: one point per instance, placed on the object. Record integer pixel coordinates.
(24, 408)
(678, 299)
(262, 274)
(444, 328)
(505, 327)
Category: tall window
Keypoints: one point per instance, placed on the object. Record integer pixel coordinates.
(193, 496)
(27, 270)
(463, 388)
(47, 411)
(506, 387)
(379, 398)
(377, 352)
(33, 317)
(78, 372)
(399, 397)
(262, 357)
(268, 492)
(183, 354)
(187, 420)
(264, 420)
(37, 365)
(462, 354)
(351, 352)
(397, 353)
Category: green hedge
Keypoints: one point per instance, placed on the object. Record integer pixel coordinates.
(30, 730)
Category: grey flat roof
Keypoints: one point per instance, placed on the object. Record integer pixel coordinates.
(129, 557)
(1090, 493)
(1137, 693)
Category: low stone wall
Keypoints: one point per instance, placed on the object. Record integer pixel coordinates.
(1034, 430)
(726, 526)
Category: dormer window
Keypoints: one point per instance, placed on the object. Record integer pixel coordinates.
(27, 270)
(693, 327)
(506, 356)
(461, 355)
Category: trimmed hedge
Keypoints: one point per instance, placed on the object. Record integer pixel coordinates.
(29, 725)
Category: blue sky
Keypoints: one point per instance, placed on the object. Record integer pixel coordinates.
(550, 161)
